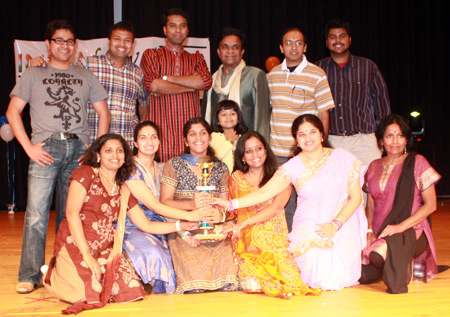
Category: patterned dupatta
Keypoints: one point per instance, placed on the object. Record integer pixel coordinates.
(113, 260)
(148, 178)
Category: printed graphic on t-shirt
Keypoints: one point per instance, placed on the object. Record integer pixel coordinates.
(63, 96)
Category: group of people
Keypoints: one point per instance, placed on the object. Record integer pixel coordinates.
(288, 154)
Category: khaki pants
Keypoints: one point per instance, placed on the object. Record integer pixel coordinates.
(363, 146)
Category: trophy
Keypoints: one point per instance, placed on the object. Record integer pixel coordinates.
(210, 231)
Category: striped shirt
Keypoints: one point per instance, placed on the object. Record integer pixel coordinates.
(305, 90)
(170, 112)
(124, 87)
(360, 95)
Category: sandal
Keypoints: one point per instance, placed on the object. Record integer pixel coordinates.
(25, 287)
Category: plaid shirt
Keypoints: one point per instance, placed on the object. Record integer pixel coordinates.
(124, 87)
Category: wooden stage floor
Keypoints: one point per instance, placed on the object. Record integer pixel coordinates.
(423, 299)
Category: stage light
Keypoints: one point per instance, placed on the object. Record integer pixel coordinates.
(415, 114)
(417, 125)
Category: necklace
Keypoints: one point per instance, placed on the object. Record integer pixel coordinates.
(395, 162)
(254, 181)
(153, 169)
(231, 136)
(114, 185)
(312, 163)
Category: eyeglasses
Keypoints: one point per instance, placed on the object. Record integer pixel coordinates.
(296, 43)
(60, 41)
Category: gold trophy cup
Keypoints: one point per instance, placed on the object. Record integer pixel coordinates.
(210, 231)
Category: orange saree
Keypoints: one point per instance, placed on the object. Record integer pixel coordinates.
(261, 253)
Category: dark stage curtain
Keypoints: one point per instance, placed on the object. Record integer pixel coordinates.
(407, 39)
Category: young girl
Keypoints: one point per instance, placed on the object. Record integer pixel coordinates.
(228, 125)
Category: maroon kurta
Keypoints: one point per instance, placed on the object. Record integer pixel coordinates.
(170, 112)
(98, 213)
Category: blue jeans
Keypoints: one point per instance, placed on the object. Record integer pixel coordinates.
(41, 184)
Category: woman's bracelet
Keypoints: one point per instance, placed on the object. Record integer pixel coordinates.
(224, 215)
(233, 204)
(185, 234)
(249, 221)
(230, 205)
(177, 226)
(337, 223)
(369, 230)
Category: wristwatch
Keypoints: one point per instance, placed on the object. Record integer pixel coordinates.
(164, 77)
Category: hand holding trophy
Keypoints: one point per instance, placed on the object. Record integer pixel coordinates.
(210, 231)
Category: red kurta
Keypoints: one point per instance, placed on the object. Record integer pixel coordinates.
(170, 112)
(97, 214)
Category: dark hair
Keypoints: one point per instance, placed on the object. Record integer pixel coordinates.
(314, 120)
(138, 128)
(289, 29)
(90, 157)
(174, 11)
(232, 31)
(187, 126)
(387, 121)
(240, 127)
(123, 26)
(337, 24)
(56, 25)
(270, 165)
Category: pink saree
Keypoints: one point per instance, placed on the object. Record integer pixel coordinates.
(382, 184)
(322, 192)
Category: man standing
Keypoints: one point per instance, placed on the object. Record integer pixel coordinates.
(57, 95)
(359, 92)
(296, 87)
(123, 81)
(246, 85)
(174, 77)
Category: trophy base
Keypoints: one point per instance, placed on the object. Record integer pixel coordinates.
(211, 233)
(212, 236)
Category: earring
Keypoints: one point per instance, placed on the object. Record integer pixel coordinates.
(404, 151)
(244, 162)
(98, 160)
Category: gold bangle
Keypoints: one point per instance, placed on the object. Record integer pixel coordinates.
(224, 215)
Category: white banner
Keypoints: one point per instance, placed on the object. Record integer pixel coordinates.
(24, 51)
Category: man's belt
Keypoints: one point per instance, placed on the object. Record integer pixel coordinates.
(346, 133)
(64, 136)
